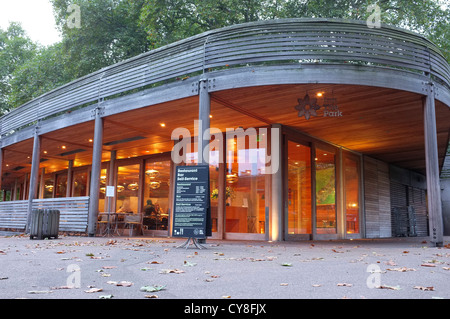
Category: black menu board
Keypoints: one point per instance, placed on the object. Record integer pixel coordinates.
(191, 217)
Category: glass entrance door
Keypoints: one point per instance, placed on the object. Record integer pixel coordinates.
(299, 217)
(352, 195)
(325, 193)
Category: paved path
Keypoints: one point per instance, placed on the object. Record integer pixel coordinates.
(406, 268)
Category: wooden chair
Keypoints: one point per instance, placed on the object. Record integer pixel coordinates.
(134, 220)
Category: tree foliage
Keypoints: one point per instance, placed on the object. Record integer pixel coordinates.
(113, 30)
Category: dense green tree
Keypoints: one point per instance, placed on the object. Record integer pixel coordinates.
(109, 32)
(15, 49)
(113, 30)
(38, 75)
(170, 20)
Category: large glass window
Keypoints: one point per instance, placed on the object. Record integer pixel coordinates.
(61, 185)
(325, 192)
(102, 195)
(48, 186)
(128, 189)
(245, 184)
(214, 155)
(79, 183)
(299, 189)
(351, 179)
(156, 194)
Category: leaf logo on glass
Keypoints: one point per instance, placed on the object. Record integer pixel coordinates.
(308, 107)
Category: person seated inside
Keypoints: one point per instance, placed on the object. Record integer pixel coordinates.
(125, 207)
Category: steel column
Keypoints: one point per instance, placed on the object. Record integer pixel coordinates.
(36, 158)
(432, 169)
(94, 188)
(204, 111)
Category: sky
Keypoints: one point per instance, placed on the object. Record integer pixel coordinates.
(36, 17)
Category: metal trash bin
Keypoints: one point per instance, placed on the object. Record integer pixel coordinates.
(44, 223)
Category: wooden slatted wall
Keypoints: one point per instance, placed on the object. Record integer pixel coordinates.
(377, 198)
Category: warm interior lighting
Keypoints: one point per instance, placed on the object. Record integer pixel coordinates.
(320, 94)
(163, 124)
(91, 140)
(45, 152)
(63, 147)
(210, 116)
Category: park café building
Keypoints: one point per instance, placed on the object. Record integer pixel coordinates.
(359, 116)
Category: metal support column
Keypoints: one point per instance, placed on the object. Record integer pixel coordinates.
(276, 214)
(36, 158)
(94, 188)
(432, 169)
(204, 123)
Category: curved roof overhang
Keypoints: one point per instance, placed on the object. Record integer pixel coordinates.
(293, 54)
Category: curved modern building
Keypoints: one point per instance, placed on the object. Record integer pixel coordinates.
(318, 129)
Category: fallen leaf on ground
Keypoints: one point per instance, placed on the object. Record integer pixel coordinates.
(109, 267)
(424, 288)
(154, 262)
(344, 285)
(40, 291)
(337, 251)
(401, 269)
(286, 264)
(120, 283)
(428, 265)
(317, 285)
(189, 264)
(171, 271)
(105, 296)
(153, 288)
(226, 297)
(389, 287)
(151, 296)
(92, 290)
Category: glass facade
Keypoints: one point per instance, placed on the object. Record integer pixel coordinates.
(299, 189)
(325, 170)
(127, 198)
(245, 184)
(351, 180)
(156, 195)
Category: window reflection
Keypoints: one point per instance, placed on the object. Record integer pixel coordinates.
(325, 192)
(352, 195)
(245, 186)
(299, 189)
(156, 195)
(128, 189)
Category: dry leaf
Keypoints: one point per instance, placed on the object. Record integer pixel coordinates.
(171, 271)
(40, 292)
(389, 287)
(344, 285)
(154, 262)
(317, 285)
(151, 296)
(428, 265)
(401, 269)
(337, 251)
(92, 290)
(109, 267)
(284, 284)
(424, 288)
(226, 297)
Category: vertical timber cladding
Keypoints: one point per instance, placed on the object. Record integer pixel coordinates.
(408, 203)
(377, 198)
